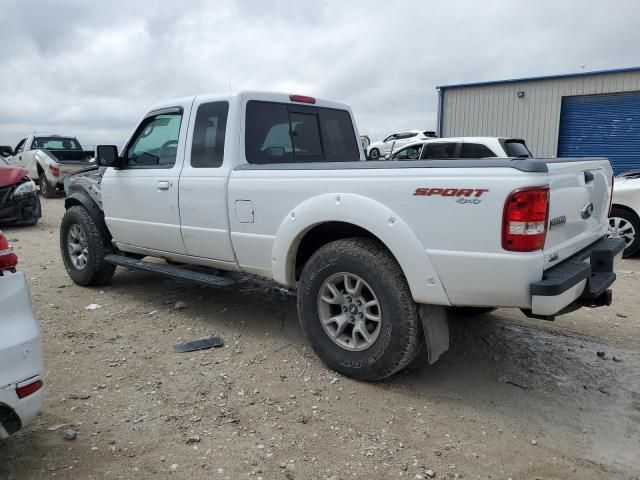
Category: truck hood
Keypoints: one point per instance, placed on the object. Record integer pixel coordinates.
(10, 175)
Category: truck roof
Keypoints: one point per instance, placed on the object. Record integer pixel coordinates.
(245, 96)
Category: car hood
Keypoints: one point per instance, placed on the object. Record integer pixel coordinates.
(10, 175)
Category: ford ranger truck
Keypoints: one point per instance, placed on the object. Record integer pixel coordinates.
(277, 185)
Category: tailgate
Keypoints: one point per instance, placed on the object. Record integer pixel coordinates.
(580, 192)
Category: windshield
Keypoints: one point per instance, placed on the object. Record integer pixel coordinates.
(55, 143)
(516, 148)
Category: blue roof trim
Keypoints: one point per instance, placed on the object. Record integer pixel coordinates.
(547, 77)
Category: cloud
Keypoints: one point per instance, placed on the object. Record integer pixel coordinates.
(91, 69)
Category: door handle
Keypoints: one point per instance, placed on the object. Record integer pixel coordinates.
(163, 185)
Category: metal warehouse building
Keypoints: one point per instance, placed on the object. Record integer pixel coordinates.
(580, 114)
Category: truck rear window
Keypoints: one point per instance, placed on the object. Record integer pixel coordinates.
(286, 133)
(55, 143)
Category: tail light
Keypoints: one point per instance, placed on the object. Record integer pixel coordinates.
(8, 259)
(302, 99)
(55, 170)
(29, 389)
(525, 219)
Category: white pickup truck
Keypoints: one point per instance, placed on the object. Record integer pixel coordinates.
(49, 159)
(277, 185)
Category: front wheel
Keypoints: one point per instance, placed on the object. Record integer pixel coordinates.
(46, 189)
(625, 224)
(83, 248)
(374, 154)
(357, 310)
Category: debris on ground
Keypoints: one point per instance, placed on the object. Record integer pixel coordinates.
(70, 434)
(92, 306)
(200, 344)
(180, 305)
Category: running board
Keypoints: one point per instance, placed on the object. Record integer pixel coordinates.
(171, 271)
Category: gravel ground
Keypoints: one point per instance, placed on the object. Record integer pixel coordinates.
(513, 398)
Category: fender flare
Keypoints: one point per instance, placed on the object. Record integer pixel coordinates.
(370, 215)
(84, 200)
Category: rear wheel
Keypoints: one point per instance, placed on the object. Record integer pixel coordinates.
(83, 248)
(626, 225)
(357, 310)
(46, 189)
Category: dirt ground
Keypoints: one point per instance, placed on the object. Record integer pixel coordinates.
(513, 398)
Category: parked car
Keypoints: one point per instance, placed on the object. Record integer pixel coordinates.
(394, 141)
(19, 201)
(21, 368)
(624, 220)
(463, 147)
(276, 185)
(49, 159)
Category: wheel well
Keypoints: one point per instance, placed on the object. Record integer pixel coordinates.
(323, 234)
(626, 209)
(39, 169)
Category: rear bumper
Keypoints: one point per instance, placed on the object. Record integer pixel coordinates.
(583, 279)
(20, 355)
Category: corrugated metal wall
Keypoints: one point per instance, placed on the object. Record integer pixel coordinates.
(496, 110)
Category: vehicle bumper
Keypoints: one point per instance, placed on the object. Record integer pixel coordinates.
(581, 280)
(16, 413)
(22, 209)
(20, 354)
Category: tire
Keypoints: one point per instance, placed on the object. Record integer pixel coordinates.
(46, 189)
(79, 228)
(374, 154)
(394, 340)
(625, 224)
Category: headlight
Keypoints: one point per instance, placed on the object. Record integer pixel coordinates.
(25, 189)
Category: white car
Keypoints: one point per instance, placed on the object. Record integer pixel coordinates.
(21, 368)
(276, 185)
(624, 220)
(394, 141)
(463, 147)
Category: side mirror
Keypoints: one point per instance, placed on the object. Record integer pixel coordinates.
(6, 151)
(107, 156)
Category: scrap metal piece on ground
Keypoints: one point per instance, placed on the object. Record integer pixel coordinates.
(200, 344)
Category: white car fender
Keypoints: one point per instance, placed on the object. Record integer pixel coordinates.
(370, 215)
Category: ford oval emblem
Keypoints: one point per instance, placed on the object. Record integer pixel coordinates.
(587, 211)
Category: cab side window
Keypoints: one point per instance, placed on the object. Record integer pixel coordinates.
(476, 150)
(20, 147)
(433, 151)
(155, 143)
(207, 149)
(408, 153)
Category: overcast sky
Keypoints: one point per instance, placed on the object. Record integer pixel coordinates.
(92, 68)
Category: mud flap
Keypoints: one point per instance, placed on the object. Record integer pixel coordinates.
(436, 330)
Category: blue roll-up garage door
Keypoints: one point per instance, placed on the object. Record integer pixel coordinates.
(604, 126)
